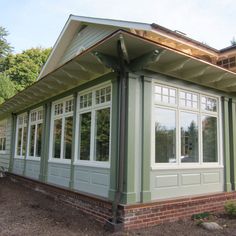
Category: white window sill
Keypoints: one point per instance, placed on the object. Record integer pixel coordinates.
(29, 158)
(19, 157)
(92, 164)
(185, 167)
(3, 152)
(60, 161)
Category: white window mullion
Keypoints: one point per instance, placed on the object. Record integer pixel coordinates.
(62, 138)
(35, 138)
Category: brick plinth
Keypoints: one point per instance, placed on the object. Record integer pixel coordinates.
(145, 215)
(137, 215)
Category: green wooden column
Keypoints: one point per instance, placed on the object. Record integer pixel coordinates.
(233, 141)
(41, 176)
(71, 184)
(45, 144)
(13, 142)
(146, 140)
(225, 112)
(129, 194)
(27, 143)
(114, 141)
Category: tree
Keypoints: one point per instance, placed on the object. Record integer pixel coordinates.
(233, 41)
(7, 88)
(23, 68)
(5, 47)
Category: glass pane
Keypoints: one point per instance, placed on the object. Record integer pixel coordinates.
(209, 138)
(165, 136)
(189, 137)
(39, 140)
(102, 135)
(4, 144)
(31, 144)
(85, 130)
(19, 141)
(24, 141)
(68, 137)
(57, 138)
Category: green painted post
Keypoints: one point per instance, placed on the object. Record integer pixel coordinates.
(43, 154)
(26, 145)
(129, 194)
(46, 135)
(225, 106)
(13, 142)
(114, 141)
(233, 142)
(146, 141)
(75, 118)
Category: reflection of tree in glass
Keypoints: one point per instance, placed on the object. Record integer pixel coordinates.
(209, 135)
(102, 134)
(85, 128)
(189, 143)
(165, 144)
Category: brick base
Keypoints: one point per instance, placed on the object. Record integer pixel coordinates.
(145, 215)
(137, 215)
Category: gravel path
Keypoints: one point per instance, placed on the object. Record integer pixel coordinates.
(24, 212)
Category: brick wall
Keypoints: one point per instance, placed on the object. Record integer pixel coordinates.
(137, 215)
(145, 215)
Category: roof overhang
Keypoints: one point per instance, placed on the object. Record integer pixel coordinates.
(87, 66)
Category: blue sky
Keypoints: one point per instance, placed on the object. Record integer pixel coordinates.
(33, 23)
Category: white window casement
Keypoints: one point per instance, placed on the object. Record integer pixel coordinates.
(185, 129)
(61, 130)
(94, 126)
(3, 127)
(21, 135)
(35, 134)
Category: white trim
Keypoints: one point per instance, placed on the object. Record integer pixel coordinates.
(54, 117)
(200, 113)
(92, 109)
(22, 126)
(36, 122)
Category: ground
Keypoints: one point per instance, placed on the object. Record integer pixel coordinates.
(26, 212)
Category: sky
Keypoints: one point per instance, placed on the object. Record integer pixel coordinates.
(38, 23)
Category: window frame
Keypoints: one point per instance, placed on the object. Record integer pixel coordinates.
(24, 125)
(36, 123)
(200, 113)
(3, 124)
(93, 108)
(62, 116)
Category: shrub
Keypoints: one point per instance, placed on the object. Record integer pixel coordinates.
(230, 208)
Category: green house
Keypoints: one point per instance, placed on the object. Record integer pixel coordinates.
(121, 118)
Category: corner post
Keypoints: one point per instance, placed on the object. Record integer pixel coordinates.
(13, 142)
(146, 142)
(225, 109)
(233, 141)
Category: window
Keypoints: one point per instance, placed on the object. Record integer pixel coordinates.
(62, 127)
(94, 125)
(3, 125)
(35, 133)
(21, 135)
(227, 63)
(186, 131)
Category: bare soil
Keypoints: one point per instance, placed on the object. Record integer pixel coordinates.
(24, 212)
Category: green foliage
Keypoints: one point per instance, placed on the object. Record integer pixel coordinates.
(201, 216)
(5, 47)
(233, 41)
(23, 68)
(7, 88)
(230, 208)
